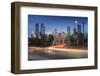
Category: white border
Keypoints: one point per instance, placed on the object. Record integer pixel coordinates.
(25, 64)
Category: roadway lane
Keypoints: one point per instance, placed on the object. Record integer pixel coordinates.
(55, 54)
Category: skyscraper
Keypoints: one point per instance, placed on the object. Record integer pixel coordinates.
(42, 29)
(37, 32)
(74, 30)
(83, 26)
(68, 30)
(78, 28)
(83, 33)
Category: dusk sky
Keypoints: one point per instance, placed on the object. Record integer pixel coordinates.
(55, 22)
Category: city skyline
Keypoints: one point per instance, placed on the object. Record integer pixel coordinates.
(56, 22)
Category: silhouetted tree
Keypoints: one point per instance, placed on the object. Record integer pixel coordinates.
(44, 41)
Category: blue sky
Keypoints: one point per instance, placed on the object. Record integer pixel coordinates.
(55, 22)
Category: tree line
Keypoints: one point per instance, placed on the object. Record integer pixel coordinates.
(43, 41)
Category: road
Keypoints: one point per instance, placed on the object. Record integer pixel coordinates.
(55, 53)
